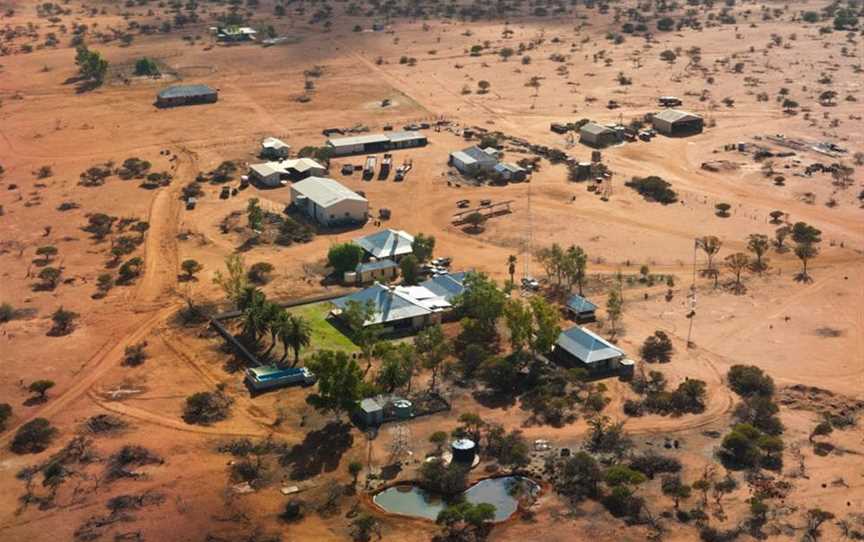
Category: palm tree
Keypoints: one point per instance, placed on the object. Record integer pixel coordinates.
(511, 267)
(295, 333)
(273, 315)
(255, 317)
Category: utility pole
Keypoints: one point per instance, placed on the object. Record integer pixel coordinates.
(691, 298)
(529, 249)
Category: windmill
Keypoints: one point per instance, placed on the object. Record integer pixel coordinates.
(399, 444)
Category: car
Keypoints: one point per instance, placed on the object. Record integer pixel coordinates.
(463, 203)
(347, 169)
(225, 193)
(530, 283)
(442, 262)
(485, 202)
(190, 203)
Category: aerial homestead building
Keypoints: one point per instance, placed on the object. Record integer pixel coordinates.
(186, 95)
(328, 202)
(474, 160)
(372, 143)
(392, 244)
(597, 135)
(274, 149)
(400, 308)
(272, 174)
(673, 122)
(582, 348)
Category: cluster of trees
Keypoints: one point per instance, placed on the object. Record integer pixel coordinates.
(805, 236)
(688, 397)
(260, 316)
(566, 267)
(755, 440)
(91, 66)
(146, 67)
(653, 188)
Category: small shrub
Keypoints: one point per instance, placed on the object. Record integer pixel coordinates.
(33, 437)
(204, 408)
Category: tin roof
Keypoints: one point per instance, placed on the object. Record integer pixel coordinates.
(676, 115)
(595, 129)
(387, 243)
(185, 91)
(578, 303)
(325, 192)
(586, 345)
(375, 266)
(365, 139)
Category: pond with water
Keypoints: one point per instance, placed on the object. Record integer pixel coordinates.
(410, 500)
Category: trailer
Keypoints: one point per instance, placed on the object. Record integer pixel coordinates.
(270, 377)
(369, 167)
(488, 211)
(403, 170)
(386, 163)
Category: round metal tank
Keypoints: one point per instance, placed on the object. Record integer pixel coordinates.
(583, 170)
(464, 450)
(403, 409)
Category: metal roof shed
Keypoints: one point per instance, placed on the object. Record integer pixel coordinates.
(587, 347)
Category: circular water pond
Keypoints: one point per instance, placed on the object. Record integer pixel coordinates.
(502, 493)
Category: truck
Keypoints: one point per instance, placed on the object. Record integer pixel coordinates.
(369, 168)
(270, 377)
(386, 163)
(669, 101)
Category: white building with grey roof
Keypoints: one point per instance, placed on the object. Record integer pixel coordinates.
(272, 174)
(328, 202)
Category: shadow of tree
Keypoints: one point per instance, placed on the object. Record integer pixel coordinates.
(319, 452)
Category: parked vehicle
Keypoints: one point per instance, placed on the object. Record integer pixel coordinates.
(190, 203)
(485, 202)
(530, 283)
(463, 203)
(225, 193)
(347, 169)
(369, 167)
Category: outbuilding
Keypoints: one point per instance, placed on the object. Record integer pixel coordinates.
(676, 123)
(186, 95)
(597, 135)
(510, 172)
(376, 270)
(274, 149)
(581, 310)
(581, 347)
(235, 33)
(328, 202)
(370, 413)
(473, 161)
(273, 174)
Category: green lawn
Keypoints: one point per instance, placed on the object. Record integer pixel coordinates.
(324, 335)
